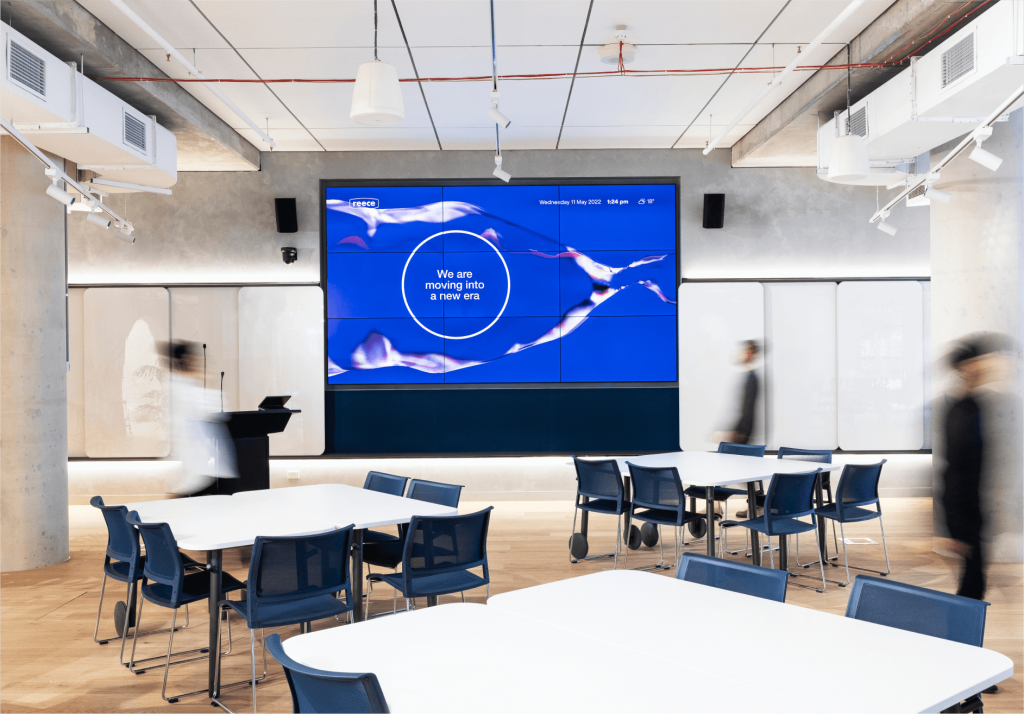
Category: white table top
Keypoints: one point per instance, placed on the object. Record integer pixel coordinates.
(868, 667)
(474, 658)
(707, 468)
(341, 505)
(218, 522)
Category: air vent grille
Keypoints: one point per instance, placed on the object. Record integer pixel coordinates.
(134, 132)
(916, 193)
(958, 60)
(859, 122)
(28, 70)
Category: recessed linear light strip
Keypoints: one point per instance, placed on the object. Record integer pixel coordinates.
(55, 192)
(142, 25)
(817, 42)
(981, 156)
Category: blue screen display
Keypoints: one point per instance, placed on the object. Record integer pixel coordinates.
(501, 284)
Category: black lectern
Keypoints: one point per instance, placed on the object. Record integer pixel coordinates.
(250, 435)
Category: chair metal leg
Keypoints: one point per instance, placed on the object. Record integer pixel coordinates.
(99, 610)
(253, 681)
(846, 558)
(618, 539)
(885, 548)
(575, 513)
(167, 665)
(771, 554)
(252, 652)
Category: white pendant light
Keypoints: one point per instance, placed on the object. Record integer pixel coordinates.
(848, 160)
(377, 98)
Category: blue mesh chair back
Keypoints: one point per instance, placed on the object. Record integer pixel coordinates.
(385, 483)
(917, 609)
(599, 479)
(819, 456)
(436, 545)
(658, 488)
(443, 494)
(317, 690)
(858, 486)
(163, 561)
(737, 577)
(286, 569)
(727, 447)
(122, 538)
(789, 496)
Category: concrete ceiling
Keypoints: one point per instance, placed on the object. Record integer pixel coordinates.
(248, 39)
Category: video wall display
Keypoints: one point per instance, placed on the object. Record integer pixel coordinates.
(507, 284)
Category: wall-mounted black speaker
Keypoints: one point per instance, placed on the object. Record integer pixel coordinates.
(287, 220)
(714, 210)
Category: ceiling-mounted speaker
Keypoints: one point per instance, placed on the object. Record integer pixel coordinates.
(287, 220)
(714, 210)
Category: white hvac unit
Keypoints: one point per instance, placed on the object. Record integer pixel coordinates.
(941, 96)
(71, 116)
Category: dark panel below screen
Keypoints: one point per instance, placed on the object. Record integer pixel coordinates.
(502, 421)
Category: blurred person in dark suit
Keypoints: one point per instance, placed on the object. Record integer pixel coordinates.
(749, 393)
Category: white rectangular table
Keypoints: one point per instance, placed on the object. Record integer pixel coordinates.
(877, 668)
(214, 523)
(466, 657)
(709, 469)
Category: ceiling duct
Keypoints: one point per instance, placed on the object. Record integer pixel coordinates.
(940, 97)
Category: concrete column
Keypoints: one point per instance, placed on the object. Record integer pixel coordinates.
(977, 255)
(33, 373)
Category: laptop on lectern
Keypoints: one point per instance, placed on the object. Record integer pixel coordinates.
(274, 402)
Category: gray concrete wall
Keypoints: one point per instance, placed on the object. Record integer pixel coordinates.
(33, 379)
(977, 246)
(219, 227)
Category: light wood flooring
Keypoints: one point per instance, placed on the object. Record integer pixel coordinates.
(49, 663)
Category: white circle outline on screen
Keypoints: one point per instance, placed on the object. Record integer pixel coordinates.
(508, 282)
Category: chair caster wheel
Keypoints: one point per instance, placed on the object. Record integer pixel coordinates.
(698, 529)
(119, 612)
(633, 540)
(649, 535)
(578, 546)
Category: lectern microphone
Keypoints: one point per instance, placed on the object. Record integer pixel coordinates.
(222, 391)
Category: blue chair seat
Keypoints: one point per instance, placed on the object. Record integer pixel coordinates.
(384, 553)
(196, 586)
(721, 492)
(288, 613)
(378, 537)
(601, 505)
(781, 526)
(664, 517)
(441, 584)
(118, 570)
(850, 513)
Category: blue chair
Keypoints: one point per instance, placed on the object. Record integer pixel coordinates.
(316, 690)
(293, 581)
(124, 562)
(858, 487)
(789, 498)
(722, 494)
(817, 456)
(598, 490)
(438, 553)
(169, 586)
(659, 492)
(388, 553)
(383, 483)
(926, 612)
(737, 577)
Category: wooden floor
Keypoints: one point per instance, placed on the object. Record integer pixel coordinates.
(49, 663)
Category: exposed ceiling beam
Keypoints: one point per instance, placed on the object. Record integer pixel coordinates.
(787, 136)
(69, 31)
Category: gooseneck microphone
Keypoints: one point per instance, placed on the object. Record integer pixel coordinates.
(222, 392)
(204, 368)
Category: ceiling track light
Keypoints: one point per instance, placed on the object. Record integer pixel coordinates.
(887, 228)
(98, 218)
(124, 233)
(55, 191)
(503, 175)
(496, 116)
(934, 194)
(986, 158)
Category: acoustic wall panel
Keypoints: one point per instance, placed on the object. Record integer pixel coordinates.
(714, 318)
(126, 378)
(880, 365)
(281, 351)
(209, 316)
(800, 365)
(76, 373)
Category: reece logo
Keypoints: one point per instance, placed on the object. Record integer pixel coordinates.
(364, 203)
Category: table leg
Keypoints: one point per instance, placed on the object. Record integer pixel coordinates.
(214, 562)
(431, 600)
(584, 517)
(783, 552)
(819, 501)
(755, 543)
(627, 517)
(357, 575)
(709, 502)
